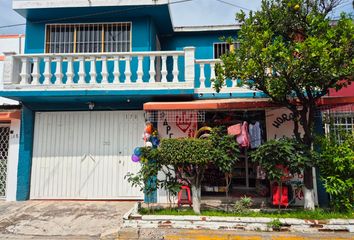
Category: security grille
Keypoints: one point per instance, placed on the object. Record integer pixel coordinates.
(175, 115)
(339, 119)
(4, 149)
(88, 38)
(223, 48)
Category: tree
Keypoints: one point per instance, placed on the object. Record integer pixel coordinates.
(294, 53)
(184, 160)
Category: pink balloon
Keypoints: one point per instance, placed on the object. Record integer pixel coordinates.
(135, 158)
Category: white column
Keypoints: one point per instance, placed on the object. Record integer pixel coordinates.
(189, 65)
(59, 71)
(212, 70)
(202, 76)
(175, 69)
(116, 72)
(152, 71)
(35, 73)
(93, 73)
(81, 72)
(104, 72)
(127, 71)
(70, 71)
(11, 74)
(24, 71)
(47, 72)
(164, 68)
(140, 70)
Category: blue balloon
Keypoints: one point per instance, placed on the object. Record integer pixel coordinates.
(155, 141)
(137, 151)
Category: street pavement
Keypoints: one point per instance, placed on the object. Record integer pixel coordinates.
(61, 219)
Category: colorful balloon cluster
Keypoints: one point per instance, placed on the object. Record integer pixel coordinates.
(151, 139)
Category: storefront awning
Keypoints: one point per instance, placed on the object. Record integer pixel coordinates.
(214, 104)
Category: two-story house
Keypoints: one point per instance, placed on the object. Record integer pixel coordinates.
(94, 72)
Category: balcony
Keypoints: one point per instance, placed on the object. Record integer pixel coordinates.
(159, 70)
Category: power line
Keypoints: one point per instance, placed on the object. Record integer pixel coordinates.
(234, 5)
(91, 14)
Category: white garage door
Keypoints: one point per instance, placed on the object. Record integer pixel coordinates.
(85, 155)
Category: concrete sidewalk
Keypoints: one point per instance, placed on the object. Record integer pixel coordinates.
(61, 219)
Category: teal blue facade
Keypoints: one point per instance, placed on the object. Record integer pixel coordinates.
(149, 23)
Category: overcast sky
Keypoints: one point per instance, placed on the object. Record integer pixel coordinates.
(188, 13)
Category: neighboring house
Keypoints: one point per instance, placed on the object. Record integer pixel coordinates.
(10, 112)
(95, 71)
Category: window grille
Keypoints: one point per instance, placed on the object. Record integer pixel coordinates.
(338, 119)
(88, 38)
(4, 150)
(171, 115)
(223, 48)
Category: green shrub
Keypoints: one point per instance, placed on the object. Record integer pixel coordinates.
(243, 205)
(337, 170)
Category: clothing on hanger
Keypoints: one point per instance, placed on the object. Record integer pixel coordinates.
(255, 135)
(244, 139)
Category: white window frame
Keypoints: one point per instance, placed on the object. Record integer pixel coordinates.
(83, 24)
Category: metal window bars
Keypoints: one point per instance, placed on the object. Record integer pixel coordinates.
(88, 38)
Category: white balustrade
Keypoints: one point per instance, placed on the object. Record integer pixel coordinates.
(127, 72)
(24, 71)
(140, 70)
(82, 73)
(152, 71)
(116, 72)
(58, 71)
(104, 71)
(93, 73)
(47, 71)
(164, 69)
(175, 71)
(35, 72)
(207, 72)
(159, 69)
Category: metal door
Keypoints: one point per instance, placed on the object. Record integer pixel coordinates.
(4, 150)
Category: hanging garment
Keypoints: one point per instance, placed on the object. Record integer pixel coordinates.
(244, 139)
(234, 130)
(255, 135)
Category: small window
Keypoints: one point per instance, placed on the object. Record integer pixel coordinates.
(86, 38)
(223, 48)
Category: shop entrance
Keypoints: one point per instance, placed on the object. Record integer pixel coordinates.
(246, 178)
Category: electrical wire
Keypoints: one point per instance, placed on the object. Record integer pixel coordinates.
(91, 14)
(234, 5)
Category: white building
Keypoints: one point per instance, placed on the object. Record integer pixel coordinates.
(10, 114)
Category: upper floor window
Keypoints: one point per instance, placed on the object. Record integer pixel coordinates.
(86, 38)
(223, 48)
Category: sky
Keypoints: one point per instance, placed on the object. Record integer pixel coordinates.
(186, 13)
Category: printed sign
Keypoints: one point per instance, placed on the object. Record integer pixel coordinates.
(177, 124)
(279, 123)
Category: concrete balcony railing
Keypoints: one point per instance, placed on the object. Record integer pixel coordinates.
(130, 70)
(205, 73)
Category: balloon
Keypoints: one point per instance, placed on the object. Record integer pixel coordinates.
(155, 141)
(135, 158)
(148, 144)
(148, 128)
(137, 151)
(147, 137)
